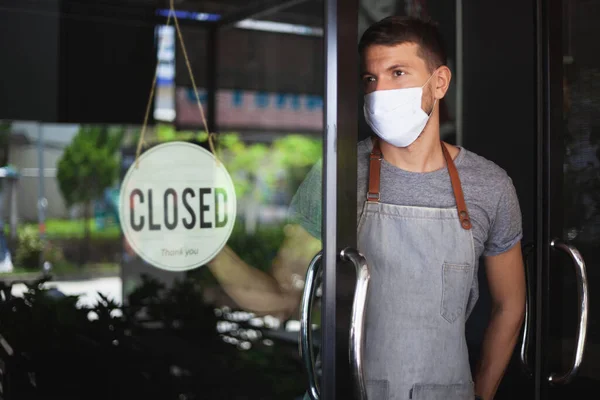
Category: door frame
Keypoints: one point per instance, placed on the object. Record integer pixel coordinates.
(339, 190)
(550, 151)
(339, 185)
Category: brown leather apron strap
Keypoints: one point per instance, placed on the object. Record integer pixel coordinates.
(374, 171)
(463, 213)
(374, 181)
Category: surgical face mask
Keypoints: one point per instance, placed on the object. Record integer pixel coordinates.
(396, 115)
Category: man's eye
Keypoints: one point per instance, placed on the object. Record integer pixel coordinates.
(398, 73)
(369, 79)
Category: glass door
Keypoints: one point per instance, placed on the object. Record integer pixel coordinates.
(96, 300)
(339, 270)
(570, 323)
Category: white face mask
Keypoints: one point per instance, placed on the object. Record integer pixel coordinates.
(396, 115)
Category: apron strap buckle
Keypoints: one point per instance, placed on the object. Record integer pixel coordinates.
(373, 197)
(374, 171)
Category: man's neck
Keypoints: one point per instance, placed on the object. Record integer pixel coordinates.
(424, 155)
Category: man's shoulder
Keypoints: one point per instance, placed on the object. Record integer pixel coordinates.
(363, 149)
(364, 146)
(481, 171)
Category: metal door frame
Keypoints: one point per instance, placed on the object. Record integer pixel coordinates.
(339, 189)
(549, 175)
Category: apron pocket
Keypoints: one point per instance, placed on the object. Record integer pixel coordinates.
(378, 389)
(456, 280)
(457, 391)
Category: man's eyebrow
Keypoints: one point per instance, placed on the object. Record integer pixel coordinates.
(397, 66)
(390, 68)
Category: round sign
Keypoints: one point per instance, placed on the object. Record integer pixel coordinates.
(178, 206)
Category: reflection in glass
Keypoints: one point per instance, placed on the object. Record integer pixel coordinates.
(581, 181)
(74, 261)
(72, 288)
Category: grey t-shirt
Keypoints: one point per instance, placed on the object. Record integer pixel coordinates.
(489, 193)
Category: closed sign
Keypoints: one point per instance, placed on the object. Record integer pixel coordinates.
(177, 206)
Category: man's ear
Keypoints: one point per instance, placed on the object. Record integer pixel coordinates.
(442, 81)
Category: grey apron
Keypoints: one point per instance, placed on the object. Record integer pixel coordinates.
(421, 262)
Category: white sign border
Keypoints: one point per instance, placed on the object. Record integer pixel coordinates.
(138, 164)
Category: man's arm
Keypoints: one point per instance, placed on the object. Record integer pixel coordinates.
(276, 293)
(279, 291)
(506, 278)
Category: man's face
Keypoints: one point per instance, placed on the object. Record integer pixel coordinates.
(398, 67)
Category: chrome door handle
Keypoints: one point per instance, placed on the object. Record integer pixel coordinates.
(314, 269)
(527, 324)
(356, 325)
(358, 318)
(582, 292)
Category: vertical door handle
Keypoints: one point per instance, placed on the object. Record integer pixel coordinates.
(356, 325)
(582, 291)
(527, 324)
(310, 287)
(358, 318)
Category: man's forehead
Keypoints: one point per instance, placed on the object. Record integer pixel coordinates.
(403, 54)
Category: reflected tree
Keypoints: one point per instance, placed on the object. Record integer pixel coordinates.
(87, 167)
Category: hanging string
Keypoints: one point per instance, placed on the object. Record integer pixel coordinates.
(211, 135)
(141, 141)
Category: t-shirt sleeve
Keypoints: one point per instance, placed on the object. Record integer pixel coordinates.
(507, 225)
(305, 208)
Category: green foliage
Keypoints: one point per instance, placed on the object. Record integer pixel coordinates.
(162, 133)
(259, 248)
(244, 162)
(287, 158)
(297, 151)
(30, 247)
(297, 154)
(89, 164)
(72, 229)
(168, 133)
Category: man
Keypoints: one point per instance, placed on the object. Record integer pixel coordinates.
(427, 211)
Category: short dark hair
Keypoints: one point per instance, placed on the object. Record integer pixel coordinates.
(395, 30)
